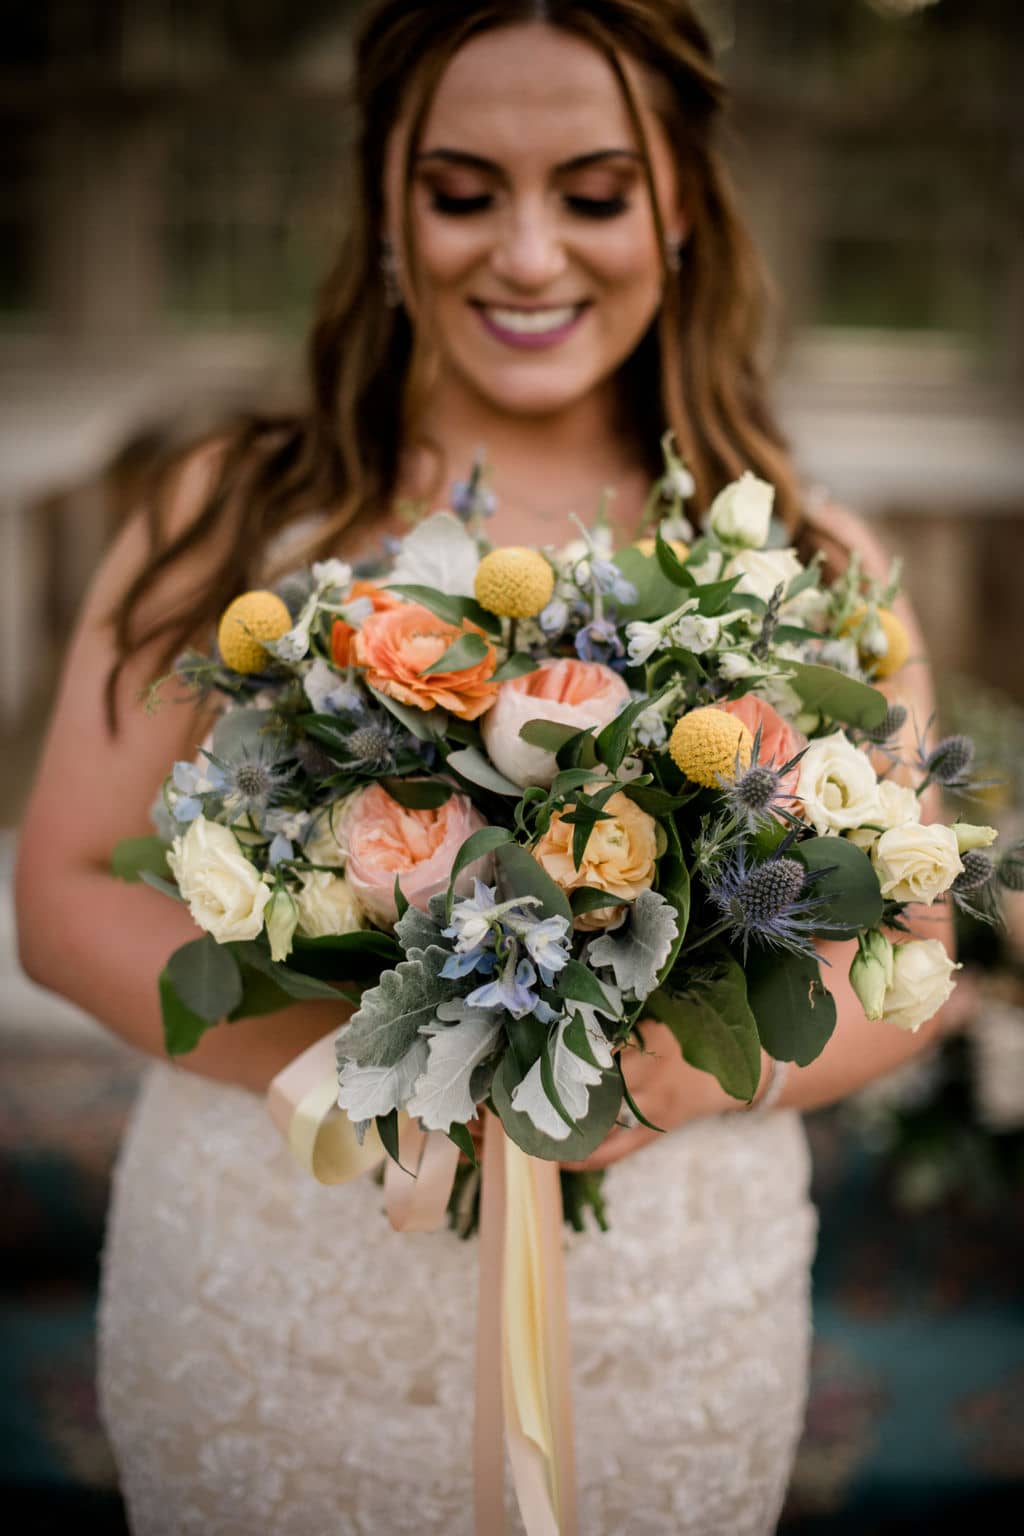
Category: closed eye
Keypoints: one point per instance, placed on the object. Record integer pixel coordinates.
(586, 207)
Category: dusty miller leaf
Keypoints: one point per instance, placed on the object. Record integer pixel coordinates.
(392, 1013)
(442, 1096)
(365, 1092)
(636, 952)
(573, 1079)
(416, 931)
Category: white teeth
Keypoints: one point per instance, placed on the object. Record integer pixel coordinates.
(532, 322)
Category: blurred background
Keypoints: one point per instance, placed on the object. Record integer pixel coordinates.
(174, 187)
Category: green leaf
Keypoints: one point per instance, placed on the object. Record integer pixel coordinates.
(656, 802)
(424, 724)
(837, 696)
(133, 855)
(579, 982)
(670, 562)
(470, 763)
(712, 597)
(452, 609)
(674, 885)
(260, 995)
(165, 887)
(714, 1026)
(850, 884)
(633, 1105)
(363, 942)
(656, 594)
(387, 1130)
(584, 816)
(587, 898)
(605, 1100)
(572, 778)
(549, 734)
(464, 652)
(613, 740)
(464, 1141)
(418, 794)
(183, 1029)
(391, 1014)
(523, 876)
(517, 665)
(476, 846)
(547, 1077)
(401, 900)
(795, 1013)
(205, 976)
(298, 986)
(242, 732)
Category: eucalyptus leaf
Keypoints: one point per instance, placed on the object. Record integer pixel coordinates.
(656, 594)
(612, 741)
(795, 1012)
(243, 732)
(477, 846)
(470, 763)
(424, 724)
(715, 1029)
(670, 563)
(578, 982)
(418, 794)
(299, 986)
(523, 876)
(637, 952)
(831, 693)
(260, 995)
(134, 855)
(549, 734)
(517, 665)
(464, 1141)
(587, 898)
(853, 898)
(158, 883)
(183, 1029)
(464, 652)
(205, 976)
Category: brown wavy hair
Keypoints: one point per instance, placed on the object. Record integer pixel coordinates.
(697, 369)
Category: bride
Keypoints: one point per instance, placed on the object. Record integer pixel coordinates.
(544, 258)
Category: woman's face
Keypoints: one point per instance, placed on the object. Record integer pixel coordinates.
(534, 239)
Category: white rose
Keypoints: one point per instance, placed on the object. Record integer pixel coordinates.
(762, 570)
(225, 893)
(916, 863)
(968, 836)
(327, 905)
(922, 980)
(837, 785)
(899, 805)
(742, 512)
(327, 842)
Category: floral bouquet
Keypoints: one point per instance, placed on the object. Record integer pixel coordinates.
(526, 799)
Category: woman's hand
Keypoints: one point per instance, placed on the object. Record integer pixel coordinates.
(666, 1089)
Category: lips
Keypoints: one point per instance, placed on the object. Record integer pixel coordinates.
(530, 325)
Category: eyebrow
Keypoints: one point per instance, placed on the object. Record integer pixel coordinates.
(477, 162)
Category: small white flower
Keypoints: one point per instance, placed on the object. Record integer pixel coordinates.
(650, 729)
(762, 570)
(643, 639)
(695, 633)
(679, 482)
(732, 665)
(331, 573)
(293, 645)
(742, 512)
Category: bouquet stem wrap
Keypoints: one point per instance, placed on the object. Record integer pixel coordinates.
(522, 1364)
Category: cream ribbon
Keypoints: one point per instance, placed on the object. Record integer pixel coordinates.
(522, 1362)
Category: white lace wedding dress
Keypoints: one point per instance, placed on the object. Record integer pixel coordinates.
(276, 1361)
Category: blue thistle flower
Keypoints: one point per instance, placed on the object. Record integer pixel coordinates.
(768, 902)
(895, 720)
(977, 871)
(950, 761)
(254, 781)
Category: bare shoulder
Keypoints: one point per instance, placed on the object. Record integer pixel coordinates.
(840, 532)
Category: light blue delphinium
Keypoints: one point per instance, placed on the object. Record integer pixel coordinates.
(512, 989)
(191, 783)
(547, 944)
(599, 641)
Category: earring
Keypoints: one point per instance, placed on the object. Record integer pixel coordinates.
(390, 269)
(673, 254)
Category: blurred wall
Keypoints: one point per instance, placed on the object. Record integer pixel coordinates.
(175, 186)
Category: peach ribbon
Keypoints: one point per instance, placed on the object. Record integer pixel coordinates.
(523, 1396)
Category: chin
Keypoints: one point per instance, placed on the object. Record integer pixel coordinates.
(534, 391)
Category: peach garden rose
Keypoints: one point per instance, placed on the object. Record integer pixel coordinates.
(619, 856)
(397, 647)
(385, 839)
(570, 692)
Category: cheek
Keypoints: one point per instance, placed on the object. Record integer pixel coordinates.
(625, 258)
(447, 250)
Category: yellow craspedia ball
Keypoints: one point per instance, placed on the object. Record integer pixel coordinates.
(245, 623)
(880, 663)
(705, 744)
(514, 583)
(648, 546)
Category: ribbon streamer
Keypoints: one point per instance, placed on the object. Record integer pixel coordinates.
(522, 1361)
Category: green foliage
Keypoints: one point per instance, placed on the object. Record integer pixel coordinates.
(604, 1103)
(795, 1013)
(418, 794)
(452, 609)
(523, 876)
(850, 884)
(714, 1026)
(133, 855)
(464, 652)
(656, 593)
(391, 1014)
(470, 763)
(833, 694)
(205, 976)
(517, 665)
(183, 1029)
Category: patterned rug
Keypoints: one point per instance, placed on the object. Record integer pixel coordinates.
(916, 1417)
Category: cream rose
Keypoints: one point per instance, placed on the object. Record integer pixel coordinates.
(327, 842)
(916, 863)
(327, 905)
(837, 785)
(921, 982)
(899, 805)
(570, 692)
(225, 893)
(742, 513)
(619, 857)
(762, 570)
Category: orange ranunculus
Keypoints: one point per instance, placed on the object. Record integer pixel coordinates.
(779, 740)
(342, 634)
(619, 857)
(398, 646)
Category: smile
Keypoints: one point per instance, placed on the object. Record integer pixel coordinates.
(530, 327)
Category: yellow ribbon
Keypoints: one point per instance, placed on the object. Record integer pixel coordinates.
(522, 1364)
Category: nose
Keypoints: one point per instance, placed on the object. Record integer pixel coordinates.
(529, 252)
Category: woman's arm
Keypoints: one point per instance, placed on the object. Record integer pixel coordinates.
(82, 932)
(669, 1092)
